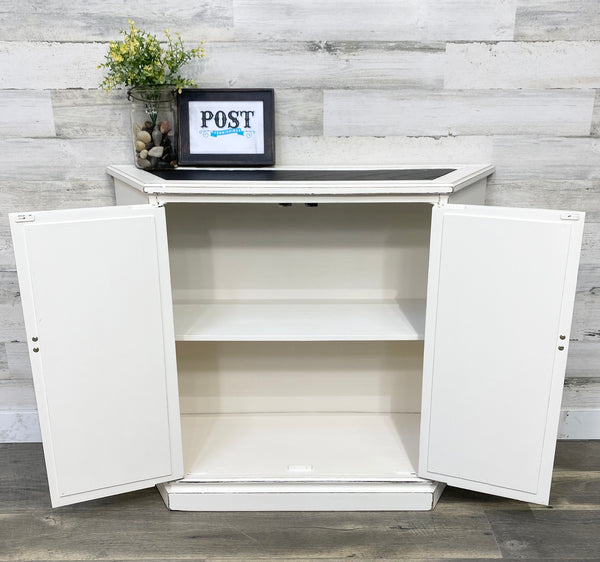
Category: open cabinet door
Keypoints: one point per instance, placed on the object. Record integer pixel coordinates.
(499, 307)
(96, 296)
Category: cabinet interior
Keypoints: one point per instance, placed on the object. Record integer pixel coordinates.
(299, 339)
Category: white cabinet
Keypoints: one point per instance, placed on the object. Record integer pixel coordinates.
(351, 351)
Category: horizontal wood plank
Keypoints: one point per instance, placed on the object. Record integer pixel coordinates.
(417, 113)
(543, 20)
(545, 535)
(581, 393)
(586, 319)
(319, 64)
(91, 113)
(17, 361)
(20, 426)
(95, 113)
(101, 20)
(541, 158)
(67, 160)
(26, 114)
(40, 66)
(579, 424)
(536, 65)
(379, 20)
(4, 370)
(14, 362)
(12, 327)
(243, 536)
(298, 112)
(595, 126)
(547, 193)
(25, 195)
(342, 151)
(7, 258)
(16, 395)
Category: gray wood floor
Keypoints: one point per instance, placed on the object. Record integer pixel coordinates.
(464, 525)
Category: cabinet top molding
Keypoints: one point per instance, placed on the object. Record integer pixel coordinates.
(302, 181)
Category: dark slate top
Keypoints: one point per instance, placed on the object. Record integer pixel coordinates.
(267, 174)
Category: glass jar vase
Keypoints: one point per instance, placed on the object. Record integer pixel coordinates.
(154, 126)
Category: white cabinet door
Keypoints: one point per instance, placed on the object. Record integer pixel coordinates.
(96, 297)
(499, 307)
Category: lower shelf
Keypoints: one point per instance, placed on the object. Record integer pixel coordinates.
(301, 461)
(300, 447)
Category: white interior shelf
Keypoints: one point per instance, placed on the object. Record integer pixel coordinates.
(270, 320)
(290, 447)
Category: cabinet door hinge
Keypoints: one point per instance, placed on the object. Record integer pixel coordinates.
(25, 217)
(570, 217)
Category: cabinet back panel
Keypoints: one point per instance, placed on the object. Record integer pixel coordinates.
(333, 251)
(235, 377)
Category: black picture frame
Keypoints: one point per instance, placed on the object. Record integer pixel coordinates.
(211, 122)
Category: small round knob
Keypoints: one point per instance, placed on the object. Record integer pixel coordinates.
(34, 338)
(561, 347)
(562, 337)
(36, 349)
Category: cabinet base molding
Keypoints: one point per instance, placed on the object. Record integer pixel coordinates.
(420, 495)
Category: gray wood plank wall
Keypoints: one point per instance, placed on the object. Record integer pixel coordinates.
(511, 82)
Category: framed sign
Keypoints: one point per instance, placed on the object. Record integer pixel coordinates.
(226, 127)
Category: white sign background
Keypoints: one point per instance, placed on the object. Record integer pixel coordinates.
(228, 139)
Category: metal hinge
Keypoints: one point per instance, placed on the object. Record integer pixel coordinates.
(570, 217)
(25, 217)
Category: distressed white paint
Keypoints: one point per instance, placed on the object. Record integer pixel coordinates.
(68, 160)
(524, 159)
(536, 65)
(298, 112)
(595, 127)
(16, 395)
(42, 65)
(581, 393)
(11, 327)
(91, 113)
(415, 113)
(4, 371)
(6, 255)
(541, 20)
(17, 359)
(579, 424)
(377, 151)
(26, 114)
(288, 64)
(375, 20)
(18, 195)
(556, 194)
(587, 315)
(101, 20)
(20, 427)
